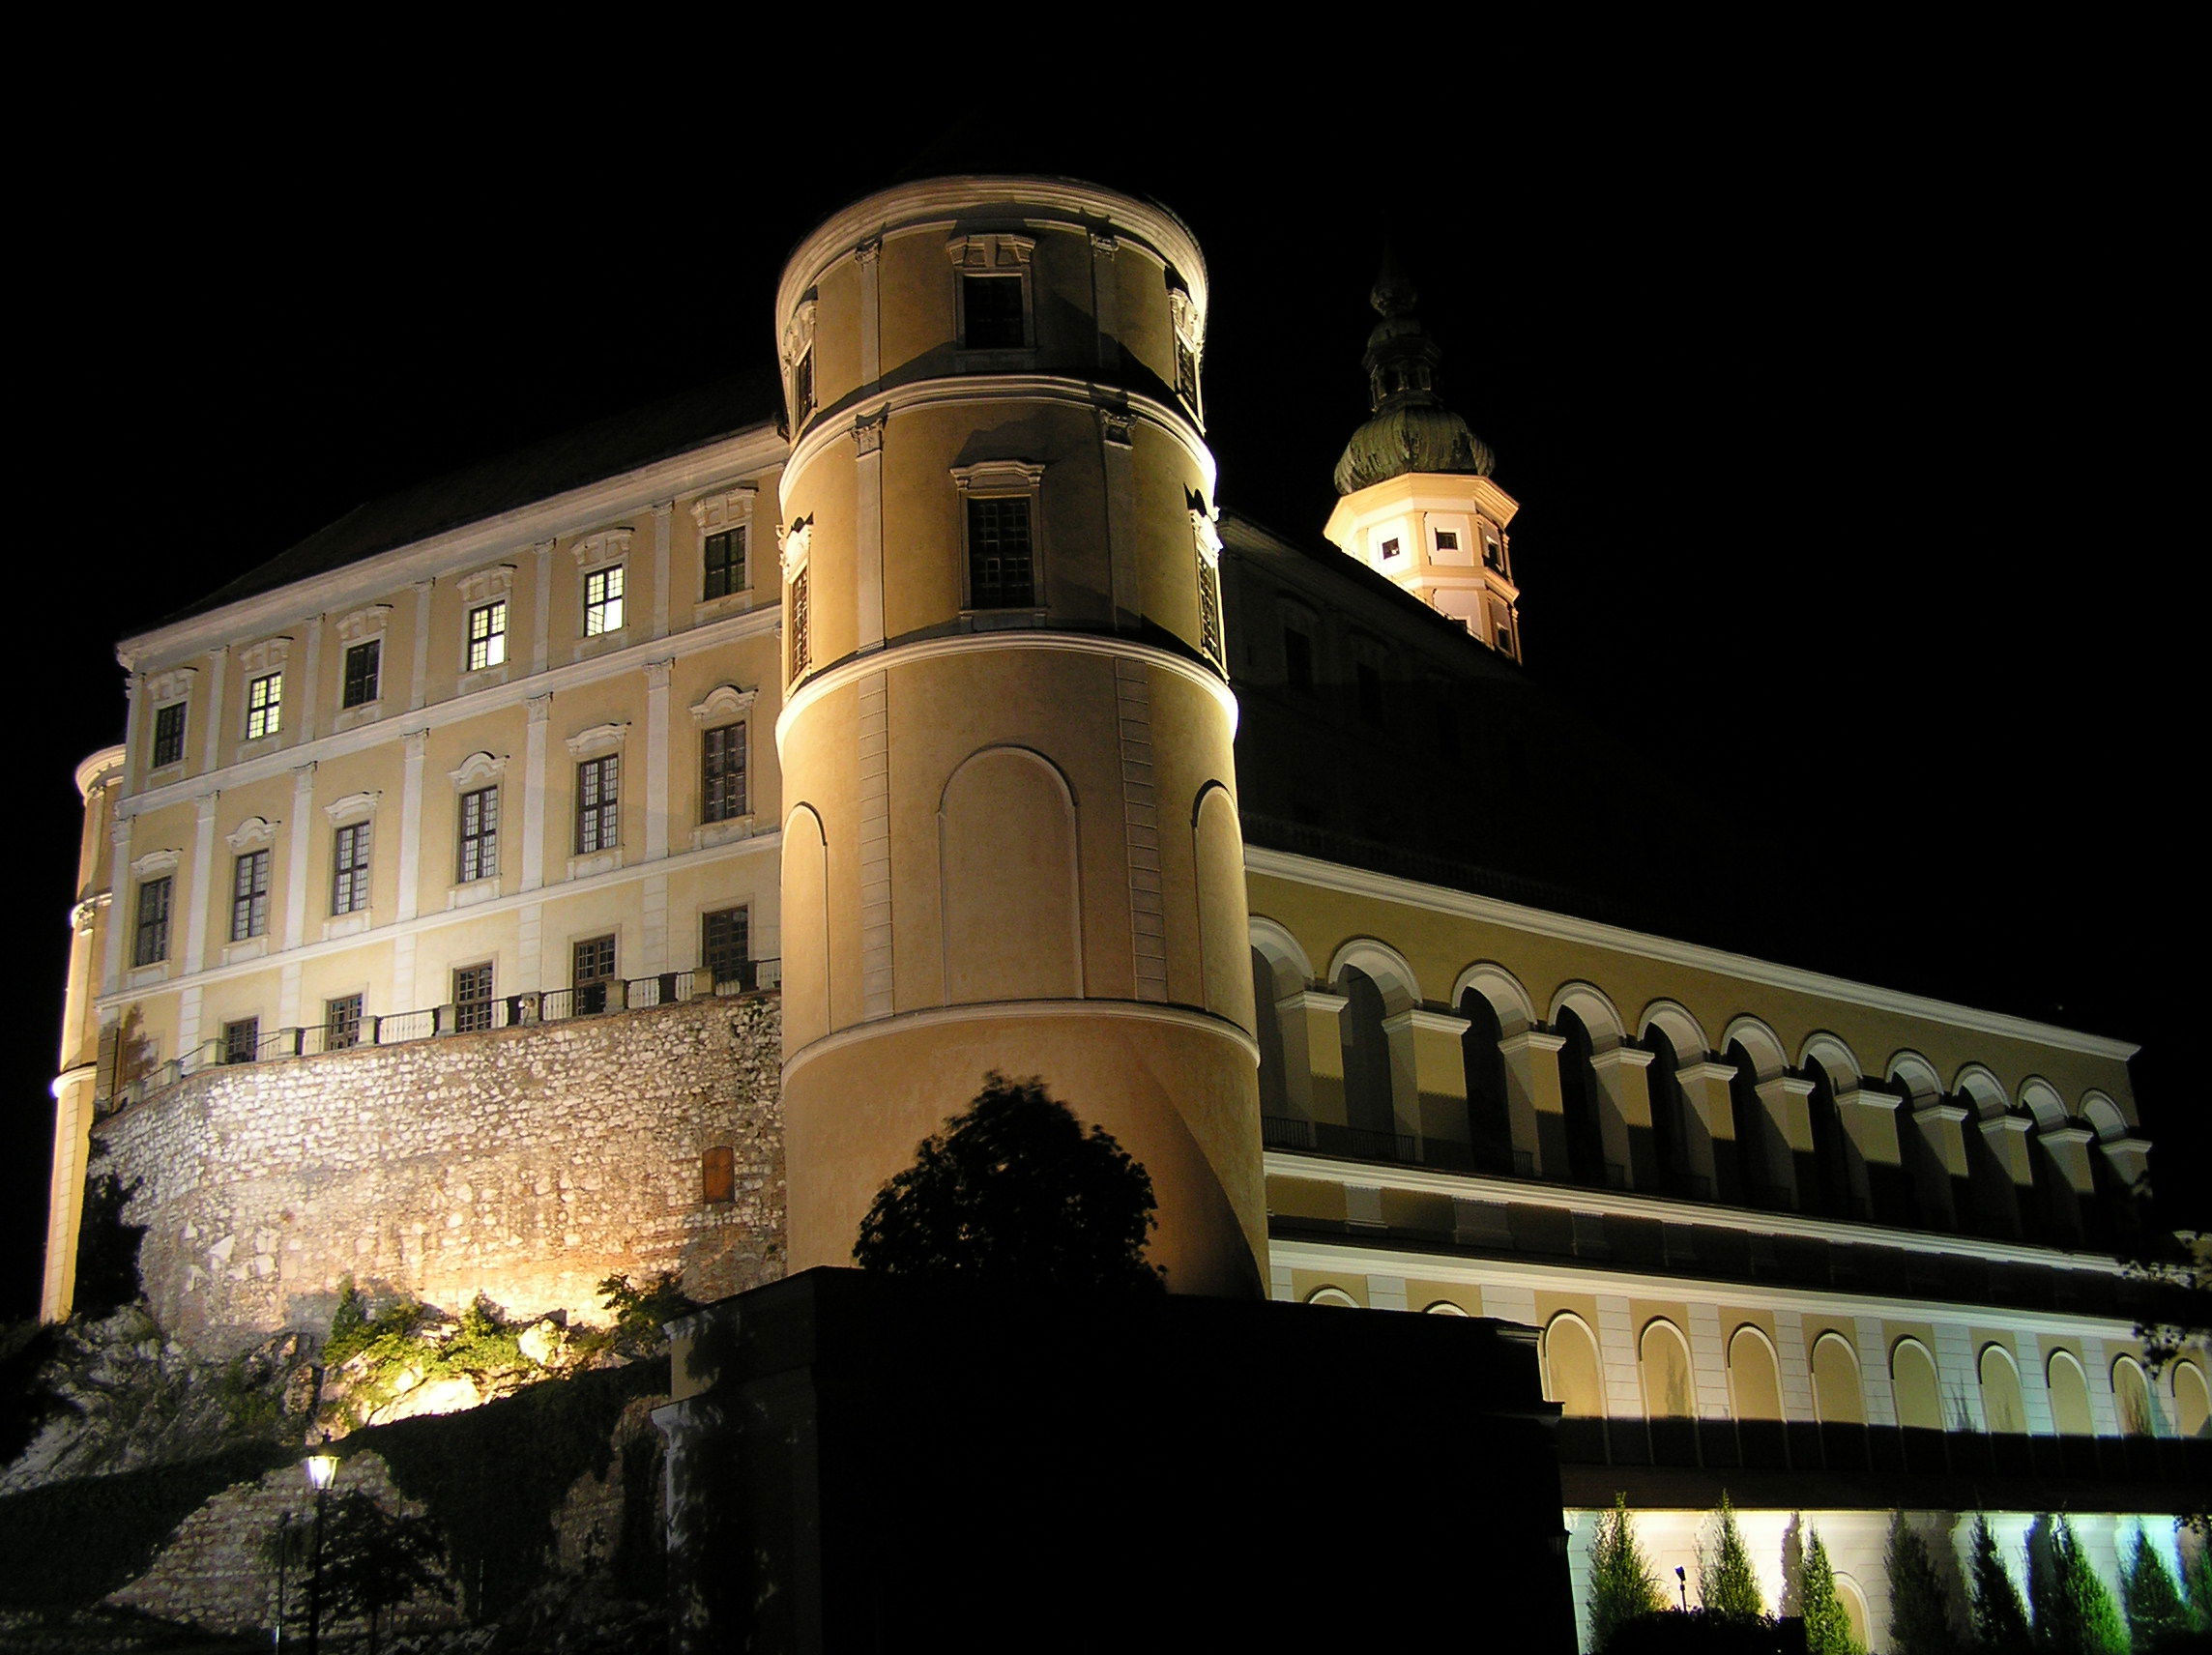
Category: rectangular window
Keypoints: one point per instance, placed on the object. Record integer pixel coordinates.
(725, 945)
(802, 389)
(242, 1040)
(480, 834)
(599, 816)
(264, 706)
(488, 635)
(150, 944)
(725, 563)
(1000, 575)
(1447, 540)
(250, 896)
(168, 734)
(472, 1000)
(992, 307)
(722, 773)
(349, 869)
(1209, 612)
(1298, 658)
(802, 644)
(1391, 548)
(594, 969)
(1493, 553)
(719, 1174)
(603, 602)
(341, 1023)
(361, 673)
(1187, 371)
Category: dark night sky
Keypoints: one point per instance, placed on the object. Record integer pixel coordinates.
(1848, 480)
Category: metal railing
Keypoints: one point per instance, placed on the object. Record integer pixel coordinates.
(462, 1017)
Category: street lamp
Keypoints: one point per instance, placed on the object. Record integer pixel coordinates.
(1682, 1586)
(321, 1467)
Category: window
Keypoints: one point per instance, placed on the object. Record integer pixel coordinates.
(1000, 573)
(1370, 681)
(1390, 548)
(480, 834)
(242, 1040)
(488, 635)
(264, 706)
(719, 1174)
(472, 999)
(1298, 658)
(803, 389)
(801, 641)
(603, 602)
(1493, 549)
(250, 896)
(725, 563)
(1187, 370)
(349, 869)
(361, 673)
(150, 944)
(341, 1023)
(168, 734)
(1210, 610)
(991, 312)
(722, 773)
(1447, 540)
(595, 968)
(725, 945)
(598, 819)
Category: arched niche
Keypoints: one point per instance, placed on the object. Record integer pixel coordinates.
(1836, 1057)
(1011, 902)
(2191, 1399)
(1571, 1378)
(1662, 1366)
(1224, 933)
(1382, 964)
(1594, 1007)
(1501, 991)
(1335, 1298)
(1913, 1387)
(2069, 1395)
(1755, 1376)
(1281, 973)
(1838, 1185)
(1838, 1398)
(805, 928)
(1444, 1307)
(1759, 1044)
(1584, 1106)
(1920, 1139)
(2004, 1409)
(1680, 1144)
(2132, 1399)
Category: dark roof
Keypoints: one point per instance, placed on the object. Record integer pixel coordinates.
(572, 459)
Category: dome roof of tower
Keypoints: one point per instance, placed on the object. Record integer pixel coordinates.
(1411, 429)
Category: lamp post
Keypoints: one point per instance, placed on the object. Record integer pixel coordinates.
(1682, 1586)
(321, 1467)
(284, 1550)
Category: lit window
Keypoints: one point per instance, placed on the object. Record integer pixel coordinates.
(264, 706)
(1447, 540)
(362, 662)
(168, 734)
(595, 968)
(480, 834)
(242, 1040)
(603, 602)
(1391, 548)
(801, 641)
(599, 819)
(1493, 549)
(250, 896)
(1000, 572)
(725, 563)
(150, 944)
(722, 773)
(991, 312)
(341, 1023)
(725, 945)
(349, 869)
(488, 635)
(472, 999)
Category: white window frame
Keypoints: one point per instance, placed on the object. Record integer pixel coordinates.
(354, 810)
(729, 511)
(605, 556)
(724, 705)
(484, 589)
(1002, 479)
(600, 741)
(172, 688)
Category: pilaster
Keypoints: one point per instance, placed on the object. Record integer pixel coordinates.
(534, 793)
(542, 608)
(419, 688)
(657, 783)
(1534, 1103)
(120, 916)
(414, 744)
(200, 898)
(311, 688)
(212, 719)
(1624, 1120)
(868, 527)
(300, 871)
(1710, 1123)
(871, 256)
(1119, 463)
(1440, 1075)
(1324, 1051)
(662, 511)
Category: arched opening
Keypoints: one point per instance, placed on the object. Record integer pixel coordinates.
(1663, 1363)
(1854, 1607)
(2069, 1396)
(1839, 1172)
(1755, 1378)
(1370, 1108)
(1335, 1298)
(1920, 1125)
(2002, 1409)
(1280, 977)
(1919, 1400)
(1997, 1198)
(1488, 1106)
(2131, 1399)
(1578, 1098)
(1275, 1104)
(2117, 1217)
(1757, 1142)
(1444, 1307)
(1217, 847)
(2057, 1205)
(1837, 1396)
(1669, 1123)
(1570, 1368)
(2191, 1401)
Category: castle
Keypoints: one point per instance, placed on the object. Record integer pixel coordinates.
(618, 861)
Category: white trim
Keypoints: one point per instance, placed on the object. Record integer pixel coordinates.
(352, 808)
(252, 831)
(478, 768)
(363, 625)
(604, 549)
(1518, 1017)
(599, 741)
(1272, 939)
(998, 1010)
(162, 861)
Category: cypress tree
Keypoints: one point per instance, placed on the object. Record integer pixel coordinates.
(1827, 1628)
(2075, 1614)
(1999, 1618)
(2197, 1575)
(1920, 1620)
(1725, 1579)
(2153, 1601)
(1623, 1585)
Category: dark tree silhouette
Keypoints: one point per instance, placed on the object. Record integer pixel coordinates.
(375, 1561)
(1015, 1193)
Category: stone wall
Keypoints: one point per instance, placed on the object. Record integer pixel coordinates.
(526, 1164)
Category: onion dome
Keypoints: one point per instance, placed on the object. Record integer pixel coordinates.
(1411, 429)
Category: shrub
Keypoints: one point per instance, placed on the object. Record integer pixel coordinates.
(1623, 1585)
(1725, 1579)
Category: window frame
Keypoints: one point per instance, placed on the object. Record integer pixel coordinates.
(250, 895)
(242, 1039)
(342, 1018)
(357, 687)
(150, 921)
(737, 920)
(593, 964)
(482, 839)
(604, 813)
(473, 1013)
(714, 802)
(734, 567)
(492, 640)
(605, 613)
(350, 872)
(994, 257)
(171, 725)
(1000, 481)
(265, 706)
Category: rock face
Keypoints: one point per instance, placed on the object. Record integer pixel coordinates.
(525, 1163)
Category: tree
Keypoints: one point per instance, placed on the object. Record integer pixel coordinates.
(1623, 1585)
(2196, 1575)
(1827, 1628)
(1015, 1193)
(1920, 1620)
(374, 1561)
(2075, 1614)
(2154, 1606)
(1999, 1618)
(1725, 1579)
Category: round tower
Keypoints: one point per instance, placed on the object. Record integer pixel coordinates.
(1011, 836)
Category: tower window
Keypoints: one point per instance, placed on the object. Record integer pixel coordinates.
(1447, 540)
(250, 896)
(1000, 570)
(150, 942)
(722, 773)
(1390, 548)
(488, 635)
(349, 869)
(991, 312)
(480, 834)
(725, 555)
(362, 663)
(1209, 612)
(1493, 550)
(472, 999)
(802, 644)
(603, 602)
(264, 706)
(803, 389)
(168, 734)
(1187, 371)
(598, 819)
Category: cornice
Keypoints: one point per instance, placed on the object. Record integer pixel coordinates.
(721, 463)
(94, 768)
(996, 1011)
(1466, 905)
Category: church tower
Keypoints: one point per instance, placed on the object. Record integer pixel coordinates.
(1418, 505)
(1010, 832)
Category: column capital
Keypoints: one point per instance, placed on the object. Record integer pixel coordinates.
(1708, 1071)
(1997, 1125)
(1531, 1040)
(1784, 1086)
(2066, 1135)
(1428, 1022)
(1950, 1113)
(1621, 1058)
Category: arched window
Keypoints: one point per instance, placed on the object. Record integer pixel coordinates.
(2191, 1401)
(2056, 1199)
(1577, 1095)
(2131, 1398)
(1912, 1382)
(1570, 1367)
(1664, 1364)
(2069, 1396)
(1335, 1297)
(1444, 1307)
(1925, 1169)
(1836, 1398)
(2002, 1409)
(1489, 1111)
(1755, 1382)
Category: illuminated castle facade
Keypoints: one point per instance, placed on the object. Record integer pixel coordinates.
(619, 858)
